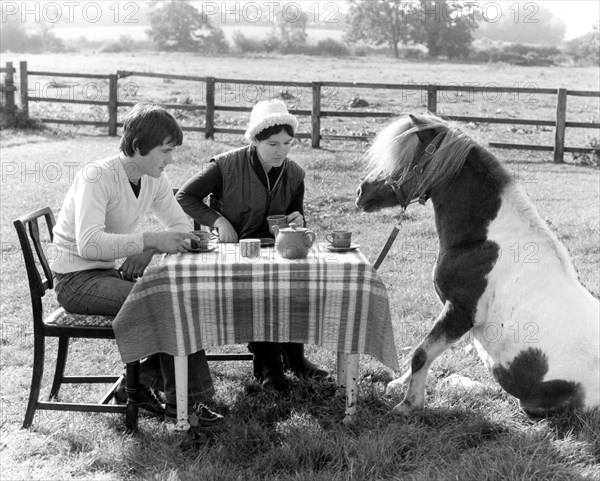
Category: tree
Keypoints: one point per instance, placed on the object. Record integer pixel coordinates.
(178, 26)
(13, 37)
(288, 34)
(526, 24)
(445, 28)
(440, 25)
(383, 22)
(585, 48)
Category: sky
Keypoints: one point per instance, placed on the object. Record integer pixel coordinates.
(578, 15)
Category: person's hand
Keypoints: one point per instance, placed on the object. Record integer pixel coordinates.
(134, 265)
(169, 242)
(296, 218)
(226, 231)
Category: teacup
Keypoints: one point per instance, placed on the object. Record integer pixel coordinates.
(203, 239)
(250, 248)
(279, 220)
(339, 238)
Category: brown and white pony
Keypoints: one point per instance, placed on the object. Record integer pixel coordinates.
(480, 214)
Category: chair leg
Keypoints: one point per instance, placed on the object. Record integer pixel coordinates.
(36, 379)
(133, 379)
(61, 360)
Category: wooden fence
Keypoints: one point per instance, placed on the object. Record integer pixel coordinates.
(316, 113)
(7, 88)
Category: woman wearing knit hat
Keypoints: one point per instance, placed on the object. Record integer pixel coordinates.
(247, 185)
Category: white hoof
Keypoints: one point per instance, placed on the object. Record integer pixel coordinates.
(396, 387)
(402, 409)
(458, 382)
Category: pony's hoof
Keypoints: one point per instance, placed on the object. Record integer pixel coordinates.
(402, 410)
(395, 388)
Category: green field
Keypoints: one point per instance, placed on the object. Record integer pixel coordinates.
(459, 435)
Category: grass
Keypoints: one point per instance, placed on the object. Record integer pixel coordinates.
(464, 435)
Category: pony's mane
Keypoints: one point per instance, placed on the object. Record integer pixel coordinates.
(396, 146)
(528, 211)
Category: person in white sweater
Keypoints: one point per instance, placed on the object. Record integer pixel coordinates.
(99, 252)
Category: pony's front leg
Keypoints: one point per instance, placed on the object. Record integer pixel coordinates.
(452, 323)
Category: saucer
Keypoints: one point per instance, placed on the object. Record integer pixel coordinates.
(200, 250)
(352, 247)
(267, 242)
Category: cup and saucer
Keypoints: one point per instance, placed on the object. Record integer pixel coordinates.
(201, 250)
(267, 242)
(351, 247)
(202, 245)
(340, 241)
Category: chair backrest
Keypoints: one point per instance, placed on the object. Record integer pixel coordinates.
(36, 262)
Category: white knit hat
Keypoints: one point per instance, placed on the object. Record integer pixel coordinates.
(266, 114)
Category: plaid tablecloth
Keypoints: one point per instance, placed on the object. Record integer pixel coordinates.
(191, 302)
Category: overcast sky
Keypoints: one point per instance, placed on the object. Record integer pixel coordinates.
(578, 15)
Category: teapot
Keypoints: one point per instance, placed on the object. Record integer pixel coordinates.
(293, 242)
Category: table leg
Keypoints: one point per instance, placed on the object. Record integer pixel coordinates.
(351, 387)
(341, 370)
(181, 389)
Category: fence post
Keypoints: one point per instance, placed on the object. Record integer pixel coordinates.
(112, 104)
(561, 118)
(24, 89)
(209, 132)
(432, 98)
(315, 115)
(9, 89)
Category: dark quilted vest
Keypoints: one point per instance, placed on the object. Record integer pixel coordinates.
(245, 201)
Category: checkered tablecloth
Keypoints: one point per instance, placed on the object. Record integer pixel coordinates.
(191, 302)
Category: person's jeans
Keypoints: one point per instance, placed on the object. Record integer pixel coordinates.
(103, 292)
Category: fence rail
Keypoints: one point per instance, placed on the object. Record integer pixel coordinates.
(316, 113)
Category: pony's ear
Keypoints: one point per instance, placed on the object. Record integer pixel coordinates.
(414, 120)
(422, 131)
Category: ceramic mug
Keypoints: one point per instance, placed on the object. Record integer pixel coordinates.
(279, 220)
(340, 238)
(203, 239)
(250, 248)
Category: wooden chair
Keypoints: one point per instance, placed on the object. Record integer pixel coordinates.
(64, 326)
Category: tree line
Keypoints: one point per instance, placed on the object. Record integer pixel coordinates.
(434, 28)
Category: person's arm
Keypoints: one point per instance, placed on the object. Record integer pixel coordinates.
(191, 195)
(191, 198)
(91, 203)
(295, 209)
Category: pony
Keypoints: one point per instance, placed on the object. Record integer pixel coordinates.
(481, 213)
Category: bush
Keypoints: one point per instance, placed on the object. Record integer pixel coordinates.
(585, 49)
(331, 48)
(243, 44)
(518, 54)
(15, 119)
(413, 53)
(215, 42)
(124, 44)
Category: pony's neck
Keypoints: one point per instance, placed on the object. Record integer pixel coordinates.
(465, 207)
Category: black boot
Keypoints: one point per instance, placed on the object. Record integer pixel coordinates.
(294, 360)
(268, 367)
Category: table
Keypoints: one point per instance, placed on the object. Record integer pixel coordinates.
(194, 301)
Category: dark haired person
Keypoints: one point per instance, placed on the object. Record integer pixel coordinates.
(99, 251)
(246, 185)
